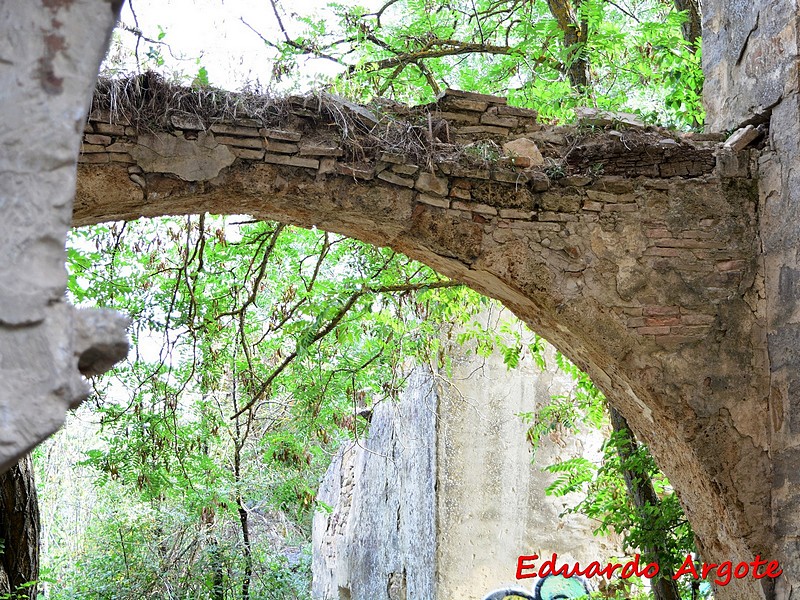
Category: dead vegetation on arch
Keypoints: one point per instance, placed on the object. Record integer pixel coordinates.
(149, 102)
(420, 135)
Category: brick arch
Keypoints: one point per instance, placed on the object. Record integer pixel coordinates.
(634, 252)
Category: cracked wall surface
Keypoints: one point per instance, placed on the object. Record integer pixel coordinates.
(454, 450)
(750, 57)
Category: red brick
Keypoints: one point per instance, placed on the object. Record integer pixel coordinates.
(661, 321)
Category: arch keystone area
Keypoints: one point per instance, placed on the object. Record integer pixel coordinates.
(634, 250)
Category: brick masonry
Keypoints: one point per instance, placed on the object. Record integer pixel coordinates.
(634, 250)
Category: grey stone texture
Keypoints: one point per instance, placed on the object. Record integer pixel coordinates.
(379, 543)
(49, 56)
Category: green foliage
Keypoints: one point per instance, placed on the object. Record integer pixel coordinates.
(605, 498)
(256, 344)
(633, 54)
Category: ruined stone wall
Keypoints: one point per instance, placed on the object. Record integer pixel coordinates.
(633, 250)
(443, 497)
(379, 542)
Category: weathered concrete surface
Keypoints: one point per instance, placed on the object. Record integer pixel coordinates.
(749, 59)
(492, 506)
(49, 55)
(379, 542)
(456, 452)
(636, 255)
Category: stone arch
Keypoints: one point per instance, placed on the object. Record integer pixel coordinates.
(636, 254)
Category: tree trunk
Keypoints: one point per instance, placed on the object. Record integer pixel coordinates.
(19, 528)
(692, 28)
(641, 491)
(575, 32)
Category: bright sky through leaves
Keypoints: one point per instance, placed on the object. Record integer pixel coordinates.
(213, 33)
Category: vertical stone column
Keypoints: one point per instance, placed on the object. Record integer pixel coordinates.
(750, 54)
(50, 52)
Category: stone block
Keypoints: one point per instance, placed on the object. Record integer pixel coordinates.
(138, 180)
(513, 213)
(93, 159)
(92, 148)
(291, 161)
(281, 134)
(464, 118)
(108, 129)
(620, 207)
(515, 111)
(460, 193)
(327, 165)
(731, 265)
(540, 182)
(281, 147)
(315, 150)
(742, 138)
(235, 130)
(557, 217)
(405, 169)
(121, 158)
(451, 93)
(394, 158)
(428, 182)
(575, 181)
(187, 121)
(357, 172)
(565, 203)
(252, 143)
(248, 153)
(524, 148)
(396, 179)
(477, 207)
(492, 118)
(596, 117)
(465, 104)
(433, 200)
(120, 147)
(96, 139)
(592, 206)
(481, 129)
(510, 176)
(733, 164)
